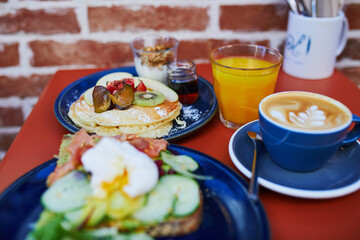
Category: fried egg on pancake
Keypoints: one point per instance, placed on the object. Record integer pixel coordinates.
(155, 121)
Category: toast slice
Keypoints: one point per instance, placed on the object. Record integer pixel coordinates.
(181, 195)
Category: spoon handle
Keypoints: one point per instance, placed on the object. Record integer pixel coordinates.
(293, 6)
(302, 8)
(253, 185)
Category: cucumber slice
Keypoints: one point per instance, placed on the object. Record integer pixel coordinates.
(159, 205)
(174, 194)
(186, 191)
(75, 218)
(183, 164)
(89, 215)
(121, 205)
(67, 193)
(182, 161)
(98, 208)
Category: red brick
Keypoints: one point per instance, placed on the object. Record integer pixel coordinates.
(40, 21)
(51, 53)
(252, 18)
(147, 17)
(6, 140)
(11, 116)
(351, 50)
(200, 49)
(353, 74)
(352, 12)
(23, 86)
(9, 54)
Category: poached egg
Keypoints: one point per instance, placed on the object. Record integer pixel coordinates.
(111, 161)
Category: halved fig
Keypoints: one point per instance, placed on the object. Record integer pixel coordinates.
(123, 97)
(101, 98)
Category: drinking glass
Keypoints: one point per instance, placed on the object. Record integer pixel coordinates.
(243, 75)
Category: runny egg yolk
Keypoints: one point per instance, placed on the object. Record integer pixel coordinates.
(117, 184)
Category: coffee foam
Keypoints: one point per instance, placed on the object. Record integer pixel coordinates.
(305, 111)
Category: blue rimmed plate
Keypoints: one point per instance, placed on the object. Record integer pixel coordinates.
(195, 115)
(338, 177)
(228, 211)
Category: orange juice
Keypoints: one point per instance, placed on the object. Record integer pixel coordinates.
(241, 85)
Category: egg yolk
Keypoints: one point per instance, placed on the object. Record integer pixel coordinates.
(117, 184)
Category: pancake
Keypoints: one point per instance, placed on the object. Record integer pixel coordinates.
(151, 122)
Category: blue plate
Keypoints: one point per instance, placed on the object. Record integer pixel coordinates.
(195, 115)
(228, 211)
(338, 177)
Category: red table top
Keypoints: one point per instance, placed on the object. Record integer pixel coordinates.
(289, 217)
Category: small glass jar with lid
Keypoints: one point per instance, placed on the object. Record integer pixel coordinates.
(183, 79)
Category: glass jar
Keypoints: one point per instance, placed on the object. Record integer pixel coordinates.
(183, 79)
(152, 53)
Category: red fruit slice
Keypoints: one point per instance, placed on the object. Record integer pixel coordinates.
(141, 87)
(130, 82)
(114, 85)
(117, 84)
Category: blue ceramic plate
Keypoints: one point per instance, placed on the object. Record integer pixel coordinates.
(228, 212)
(195, 115)
(338, 177)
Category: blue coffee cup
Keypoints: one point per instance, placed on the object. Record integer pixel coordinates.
(298, 148)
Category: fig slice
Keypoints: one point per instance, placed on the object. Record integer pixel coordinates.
(101, 99)
(123, 97)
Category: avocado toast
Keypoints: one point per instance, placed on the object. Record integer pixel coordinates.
(121, 187)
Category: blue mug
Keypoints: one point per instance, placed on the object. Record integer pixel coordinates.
(303, 140)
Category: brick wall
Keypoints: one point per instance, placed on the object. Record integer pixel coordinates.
(38, 37)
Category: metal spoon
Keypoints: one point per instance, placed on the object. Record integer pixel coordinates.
(259, 146)
(302, 8)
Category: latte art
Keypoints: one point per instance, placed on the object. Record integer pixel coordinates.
(312, 117)
(305, 111)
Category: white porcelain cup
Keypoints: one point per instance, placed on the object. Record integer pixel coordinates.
(312, 45)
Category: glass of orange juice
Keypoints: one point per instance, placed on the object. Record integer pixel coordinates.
(243, 75)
